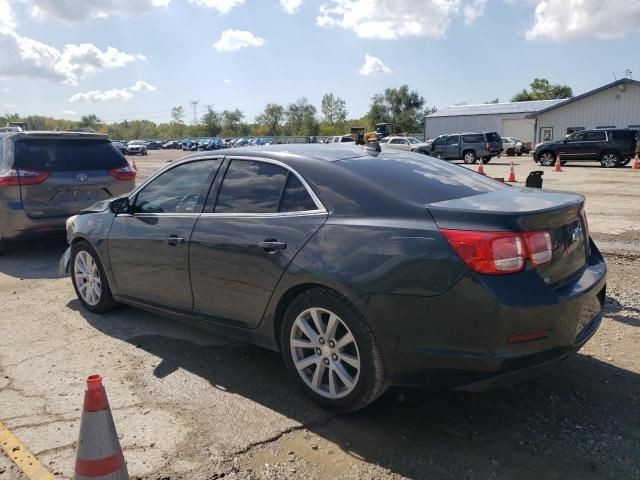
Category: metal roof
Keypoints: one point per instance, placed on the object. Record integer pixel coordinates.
(622, 81)
(495, 108)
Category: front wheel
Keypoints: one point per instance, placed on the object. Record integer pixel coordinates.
(610, 160)
(89, 279)
(331, 353)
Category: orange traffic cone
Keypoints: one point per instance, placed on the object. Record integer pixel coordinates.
(133, 165)
(481, 167)
(512, 173)
(99, 455)
(636, 162)
(558, 167)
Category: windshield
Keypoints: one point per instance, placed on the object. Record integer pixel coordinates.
(136, 142)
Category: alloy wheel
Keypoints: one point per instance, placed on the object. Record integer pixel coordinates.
(87, 277)
(547, 159)
(469, 158)
(610, 160)
(325, 353)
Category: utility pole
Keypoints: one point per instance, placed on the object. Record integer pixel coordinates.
(194, 104)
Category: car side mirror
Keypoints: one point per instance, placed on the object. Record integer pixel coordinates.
(120, 205)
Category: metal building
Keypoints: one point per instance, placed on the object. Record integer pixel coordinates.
(616, 104)
(508, 119)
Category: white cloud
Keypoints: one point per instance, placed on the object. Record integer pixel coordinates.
(232, 40)
(391, 19)
(473, 10)
(7, 20)
(226, 80)
(113, 94)
(77, 10)
(567, 19)
(373, 66)
(5, 90)
(223, 6)
(23, 56)
(290, 6)
(70, 112)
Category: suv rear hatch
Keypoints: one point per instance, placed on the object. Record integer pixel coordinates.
(526, 210)
(76, 173)
(493, 142)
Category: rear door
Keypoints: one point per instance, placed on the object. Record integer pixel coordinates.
(77, 174)
(149, 249)
(245, 239)
(453, 147)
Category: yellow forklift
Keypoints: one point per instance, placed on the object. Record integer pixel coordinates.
(361, 138)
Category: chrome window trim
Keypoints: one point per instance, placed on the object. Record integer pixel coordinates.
(303, 213)
(320, 207)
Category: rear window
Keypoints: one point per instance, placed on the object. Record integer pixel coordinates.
(623, 135)
(493, 137)
(422, 180)
(62, 155)
(473, 139)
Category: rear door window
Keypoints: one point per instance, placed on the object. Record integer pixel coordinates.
(251, 187)
(296, 198)
(472, 138)
(63, 155)
(595, 136)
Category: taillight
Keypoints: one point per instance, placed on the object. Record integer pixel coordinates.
(496, 253)
(488, 252)
(23, 177)
(123, 173)
(539, 247)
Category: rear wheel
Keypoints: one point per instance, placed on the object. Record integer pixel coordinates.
(330, 352)
(547, 159)
(469, 157)
(89, 279)
(510, 152)
(610, 160)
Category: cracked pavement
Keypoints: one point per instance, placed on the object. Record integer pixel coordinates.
(192, 405)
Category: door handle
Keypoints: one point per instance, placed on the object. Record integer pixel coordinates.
(174, 240)
(270, 245)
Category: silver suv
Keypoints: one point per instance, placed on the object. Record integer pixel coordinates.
(46, 177)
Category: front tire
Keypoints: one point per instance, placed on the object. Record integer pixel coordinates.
(330, 351)
(89, 279)
(547, 159)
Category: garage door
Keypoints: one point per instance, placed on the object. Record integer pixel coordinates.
(521, 128)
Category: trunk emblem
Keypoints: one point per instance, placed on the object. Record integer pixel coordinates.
(82, 177)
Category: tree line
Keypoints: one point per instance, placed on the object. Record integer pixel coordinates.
(404, 107)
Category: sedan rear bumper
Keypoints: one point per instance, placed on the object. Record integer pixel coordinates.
(465, 338)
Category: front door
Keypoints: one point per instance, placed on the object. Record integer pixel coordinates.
(149, 248)
(243, 243)
(438, 147)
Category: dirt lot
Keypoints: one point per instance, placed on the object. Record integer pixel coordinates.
(191, 405)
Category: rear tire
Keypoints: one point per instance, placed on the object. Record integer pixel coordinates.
(330, 351)
(547, 159)
(610, 160)
(511, 152)
(89, 279)
(469, 157)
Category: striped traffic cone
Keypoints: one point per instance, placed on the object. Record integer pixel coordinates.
(133, 165)
(512, 173)
(636, 162)
(558, 166)
(481, 167)
(99, 455)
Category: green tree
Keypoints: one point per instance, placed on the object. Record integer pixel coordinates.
(211, 122)
(232, 122)
(301, 116)
(271, 118)
(403, 107)
(90, 121)
(542, 89)
(334, 109)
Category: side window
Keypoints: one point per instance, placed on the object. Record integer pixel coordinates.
(295, 197)
(177, 190)
(251, 187)
(595, 136)
(439, 141)
(577, 137)
(472, 139)
(453, 139)
(397, 141)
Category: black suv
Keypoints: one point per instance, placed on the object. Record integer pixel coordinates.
(610, 147)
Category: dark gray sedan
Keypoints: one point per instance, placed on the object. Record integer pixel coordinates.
(364, 269)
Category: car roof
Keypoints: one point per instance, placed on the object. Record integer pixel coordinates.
(48, 135)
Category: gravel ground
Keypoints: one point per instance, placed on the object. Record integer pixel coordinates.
(191, 405)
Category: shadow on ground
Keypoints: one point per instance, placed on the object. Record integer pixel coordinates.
(33, 259)
(580, 422)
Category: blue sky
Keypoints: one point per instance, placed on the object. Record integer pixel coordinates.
(56, 61)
